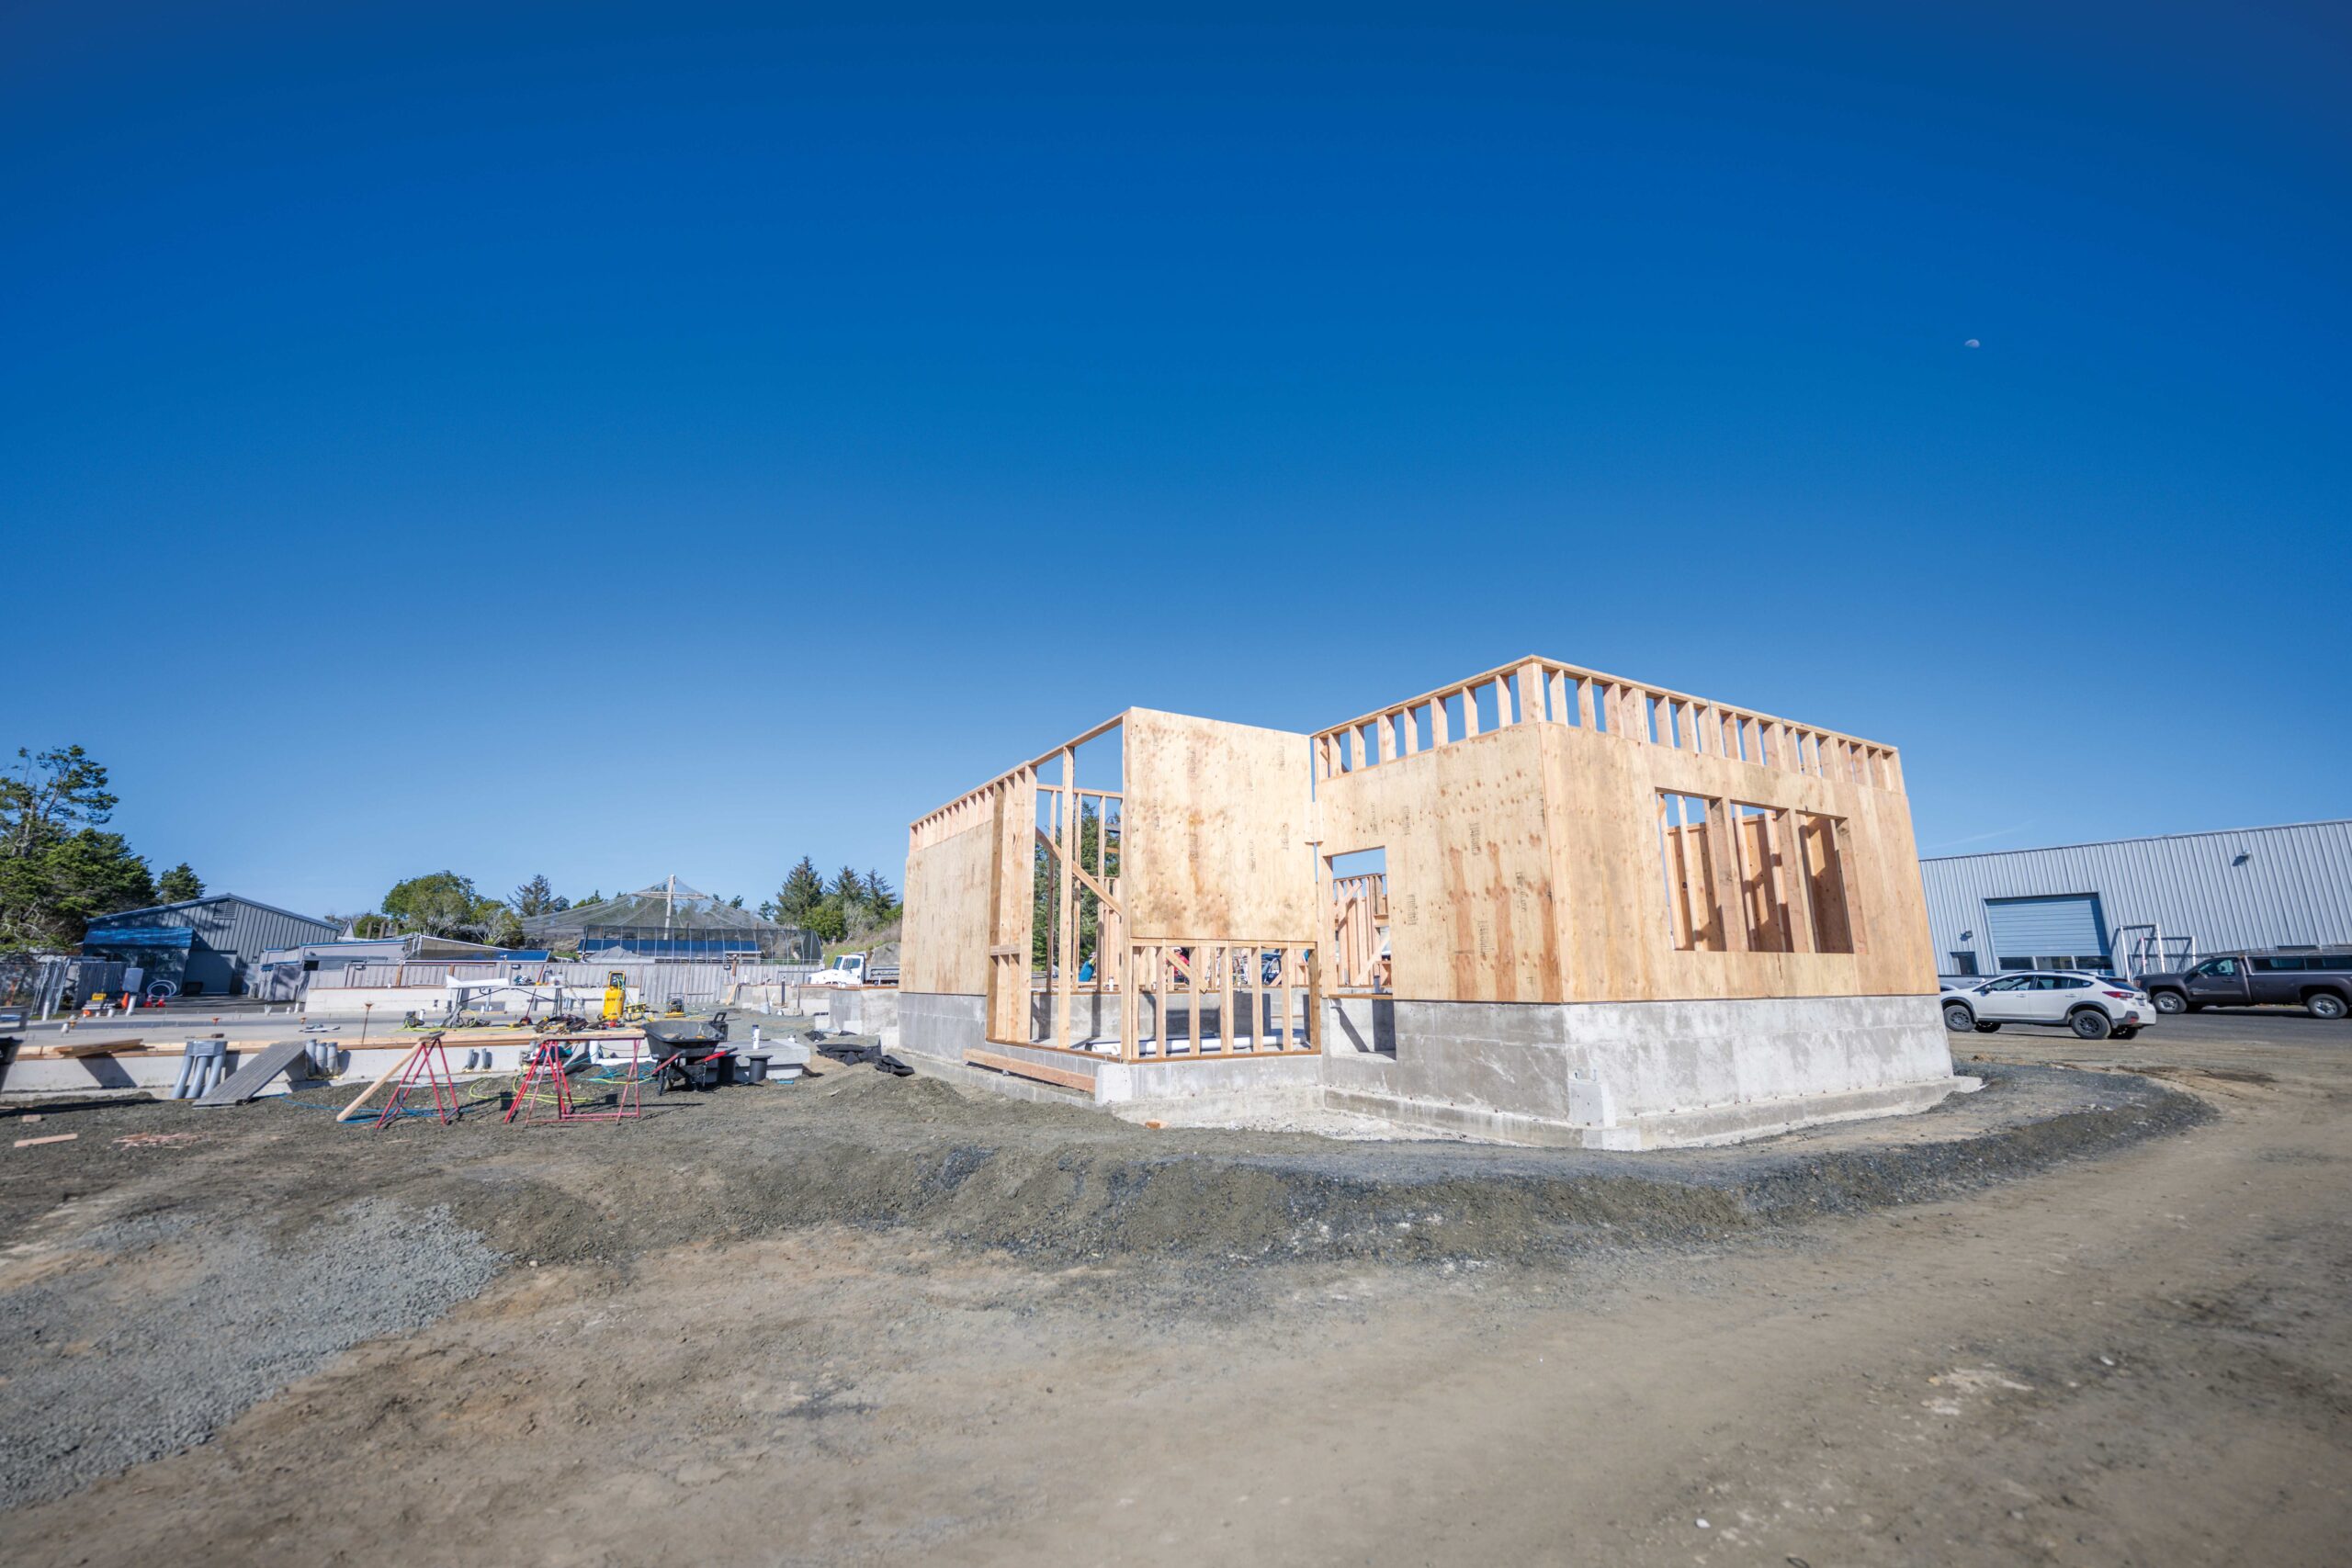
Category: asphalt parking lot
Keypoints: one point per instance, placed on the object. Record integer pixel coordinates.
(2252, 1026)
(2265, 1026)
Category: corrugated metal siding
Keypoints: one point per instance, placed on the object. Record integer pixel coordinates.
(240, 932)
(2294, 889)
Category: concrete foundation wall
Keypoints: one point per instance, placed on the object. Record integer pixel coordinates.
(1532, 1072)
(1605, 1075)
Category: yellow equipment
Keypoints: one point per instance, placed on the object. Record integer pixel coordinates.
(616, 994)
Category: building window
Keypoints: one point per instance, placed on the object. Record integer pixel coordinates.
(2017, 964)
(1963, 963)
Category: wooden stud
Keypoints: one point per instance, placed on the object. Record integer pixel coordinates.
(1065, 946)
(1282, 1017)
(1796, 894)
(1314, 1001)
(1225, 999)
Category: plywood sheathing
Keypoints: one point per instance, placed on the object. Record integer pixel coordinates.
(1471, 888)
(1617, 931)
(944, 943)
(1216, 841)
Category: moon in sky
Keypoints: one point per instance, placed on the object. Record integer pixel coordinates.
(1972, 342)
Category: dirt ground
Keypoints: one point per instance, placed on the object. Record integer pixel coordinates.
(2077, 1318)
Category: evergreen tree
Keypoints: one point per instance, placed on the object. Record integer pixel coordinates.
(56, 870)
(537, 897)
(803, 890)
(180, 885)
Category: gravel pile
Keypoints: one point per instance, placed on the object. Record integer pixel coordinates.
(175, 1326)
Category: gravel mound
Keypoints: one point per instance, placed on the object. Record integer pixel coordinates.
(171, 1329)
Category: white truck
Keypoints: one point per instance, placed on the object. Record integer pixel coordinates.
(852, 970)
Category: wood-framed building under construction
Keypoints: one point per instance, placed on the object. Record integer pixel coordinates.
(1540, 905)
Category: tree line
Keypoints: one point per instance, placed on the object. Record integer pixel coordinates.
(445, 904)
(850, 907)
(59, 869)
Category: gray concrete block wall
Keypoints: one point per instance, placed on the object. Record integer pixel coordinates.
(942, 1024)
(866, 1011)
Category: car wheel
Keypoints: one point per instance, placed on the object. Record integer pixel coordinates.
(2324, 1004)
(1988, 1029)
(1958, 1019)
(2091, 1024)
(2170, 1001)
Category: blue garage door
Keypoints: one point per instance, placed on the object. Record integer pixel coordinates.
(2061, 932)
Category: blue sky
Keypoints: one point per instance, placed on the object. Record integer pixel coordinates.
(610, 442)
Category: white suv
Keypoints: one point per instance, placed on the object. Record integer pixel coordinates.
(2092, 1006)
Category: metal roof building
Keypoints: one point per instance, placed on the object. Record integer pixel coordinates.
(668, 921)
(208, 947)
(2141, 904)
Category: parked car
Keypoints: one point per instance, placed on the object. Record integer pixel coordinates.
(2319, 983)
(2092, 1006)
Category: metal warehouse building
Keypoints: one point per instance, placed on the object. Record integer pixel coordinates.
(2141, 904)
(203, 947)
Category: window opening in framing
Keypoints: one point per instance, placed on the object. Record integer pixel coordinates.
(1763, 877)
(1359, 920)
(1821, 842)
(1693, 917)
